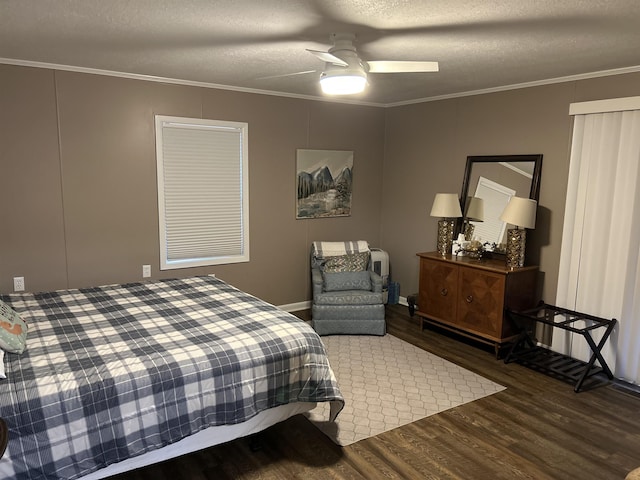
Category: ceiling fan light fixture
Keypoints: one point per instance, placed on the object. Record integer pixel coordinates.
(343, 82)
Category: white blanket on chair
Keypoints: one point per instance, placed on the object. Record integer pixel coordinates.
(332, 249)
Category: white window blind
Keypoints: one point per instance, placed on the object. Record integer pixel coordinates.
(202, 192)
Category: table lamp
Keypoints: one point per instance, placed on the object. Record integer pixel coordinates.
(474, 213)
(446, 206)
(520, 212)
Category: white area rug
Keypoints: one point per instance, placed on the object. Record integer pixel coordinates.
(387, 383)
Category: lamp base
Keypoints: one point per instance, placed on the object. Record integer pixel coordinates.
(516, 241)
(446, 226)
(468, 231)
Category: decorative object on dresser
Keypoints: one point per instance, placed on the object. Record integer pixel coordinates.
(469, 296)
(474, 248)
(446, 206)
(520, 212)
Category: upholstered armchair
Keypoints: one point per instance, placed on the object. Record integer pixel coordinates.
(347, 294)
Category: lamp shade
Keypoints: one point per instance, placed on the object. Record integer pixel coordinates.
(475, 210)
(520, 212)
(446, 205)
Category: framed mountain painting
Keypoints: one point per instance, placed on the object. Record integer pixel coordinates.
(324, 183)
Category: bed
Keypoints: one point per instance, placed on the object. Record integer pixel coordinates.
(120, 376)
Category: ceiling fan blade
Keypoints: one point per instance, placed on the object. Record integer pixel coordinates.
(383, 66)
(328, 57)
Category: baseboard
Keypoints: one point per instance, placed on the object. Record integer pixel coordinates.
(295, 307)
(627, 387)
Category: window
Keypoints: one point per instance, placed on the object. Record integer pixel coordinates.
(203, 192)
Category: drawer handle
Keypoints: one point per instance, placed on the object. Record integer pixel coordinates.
(444, 292)
(469, 298)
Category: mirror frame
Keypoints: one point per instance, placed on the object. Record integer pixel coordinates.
(475, 159)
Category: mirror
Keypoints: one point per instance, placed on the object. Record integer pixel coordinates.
(495, 179)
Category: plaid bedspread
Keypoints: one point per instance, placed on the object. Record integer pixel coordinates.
(113, 372)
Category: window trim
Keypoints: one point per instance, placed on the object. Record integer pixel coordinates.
(163, 121)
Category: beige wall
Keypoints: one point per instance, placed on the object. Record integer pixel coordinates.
(77, 165)
(426, 146)
(79, 179)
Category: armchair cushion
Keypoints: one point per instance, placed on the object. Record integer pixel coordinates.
(351, 262)
(339, 281)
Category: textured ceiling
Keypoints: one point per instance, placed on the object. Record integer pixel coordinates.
(480, 45)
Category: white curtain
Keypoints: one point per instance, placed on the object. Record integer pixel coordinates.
(600, 261)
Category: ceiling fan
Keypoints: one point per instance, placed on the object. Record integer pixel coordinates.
(346, 73)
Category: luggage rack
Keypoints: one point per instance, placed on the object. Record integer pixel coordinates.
(526, 352)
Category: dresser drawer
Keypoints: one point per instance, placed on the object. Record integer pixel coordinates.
(438, 295)
(481, 304)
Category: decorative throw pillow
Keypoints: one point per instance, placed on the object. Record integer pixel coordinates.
(338, 281)
(351, 262)
(13, 330)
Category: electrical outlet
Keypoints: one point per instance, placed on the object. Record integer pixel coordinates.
(18, 284)
(146, 271)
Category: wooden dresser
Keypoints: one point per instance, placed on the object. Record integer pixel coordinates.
(469, 296)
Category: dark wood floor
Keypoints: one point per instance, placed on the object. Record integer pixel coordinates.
(537, 428)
